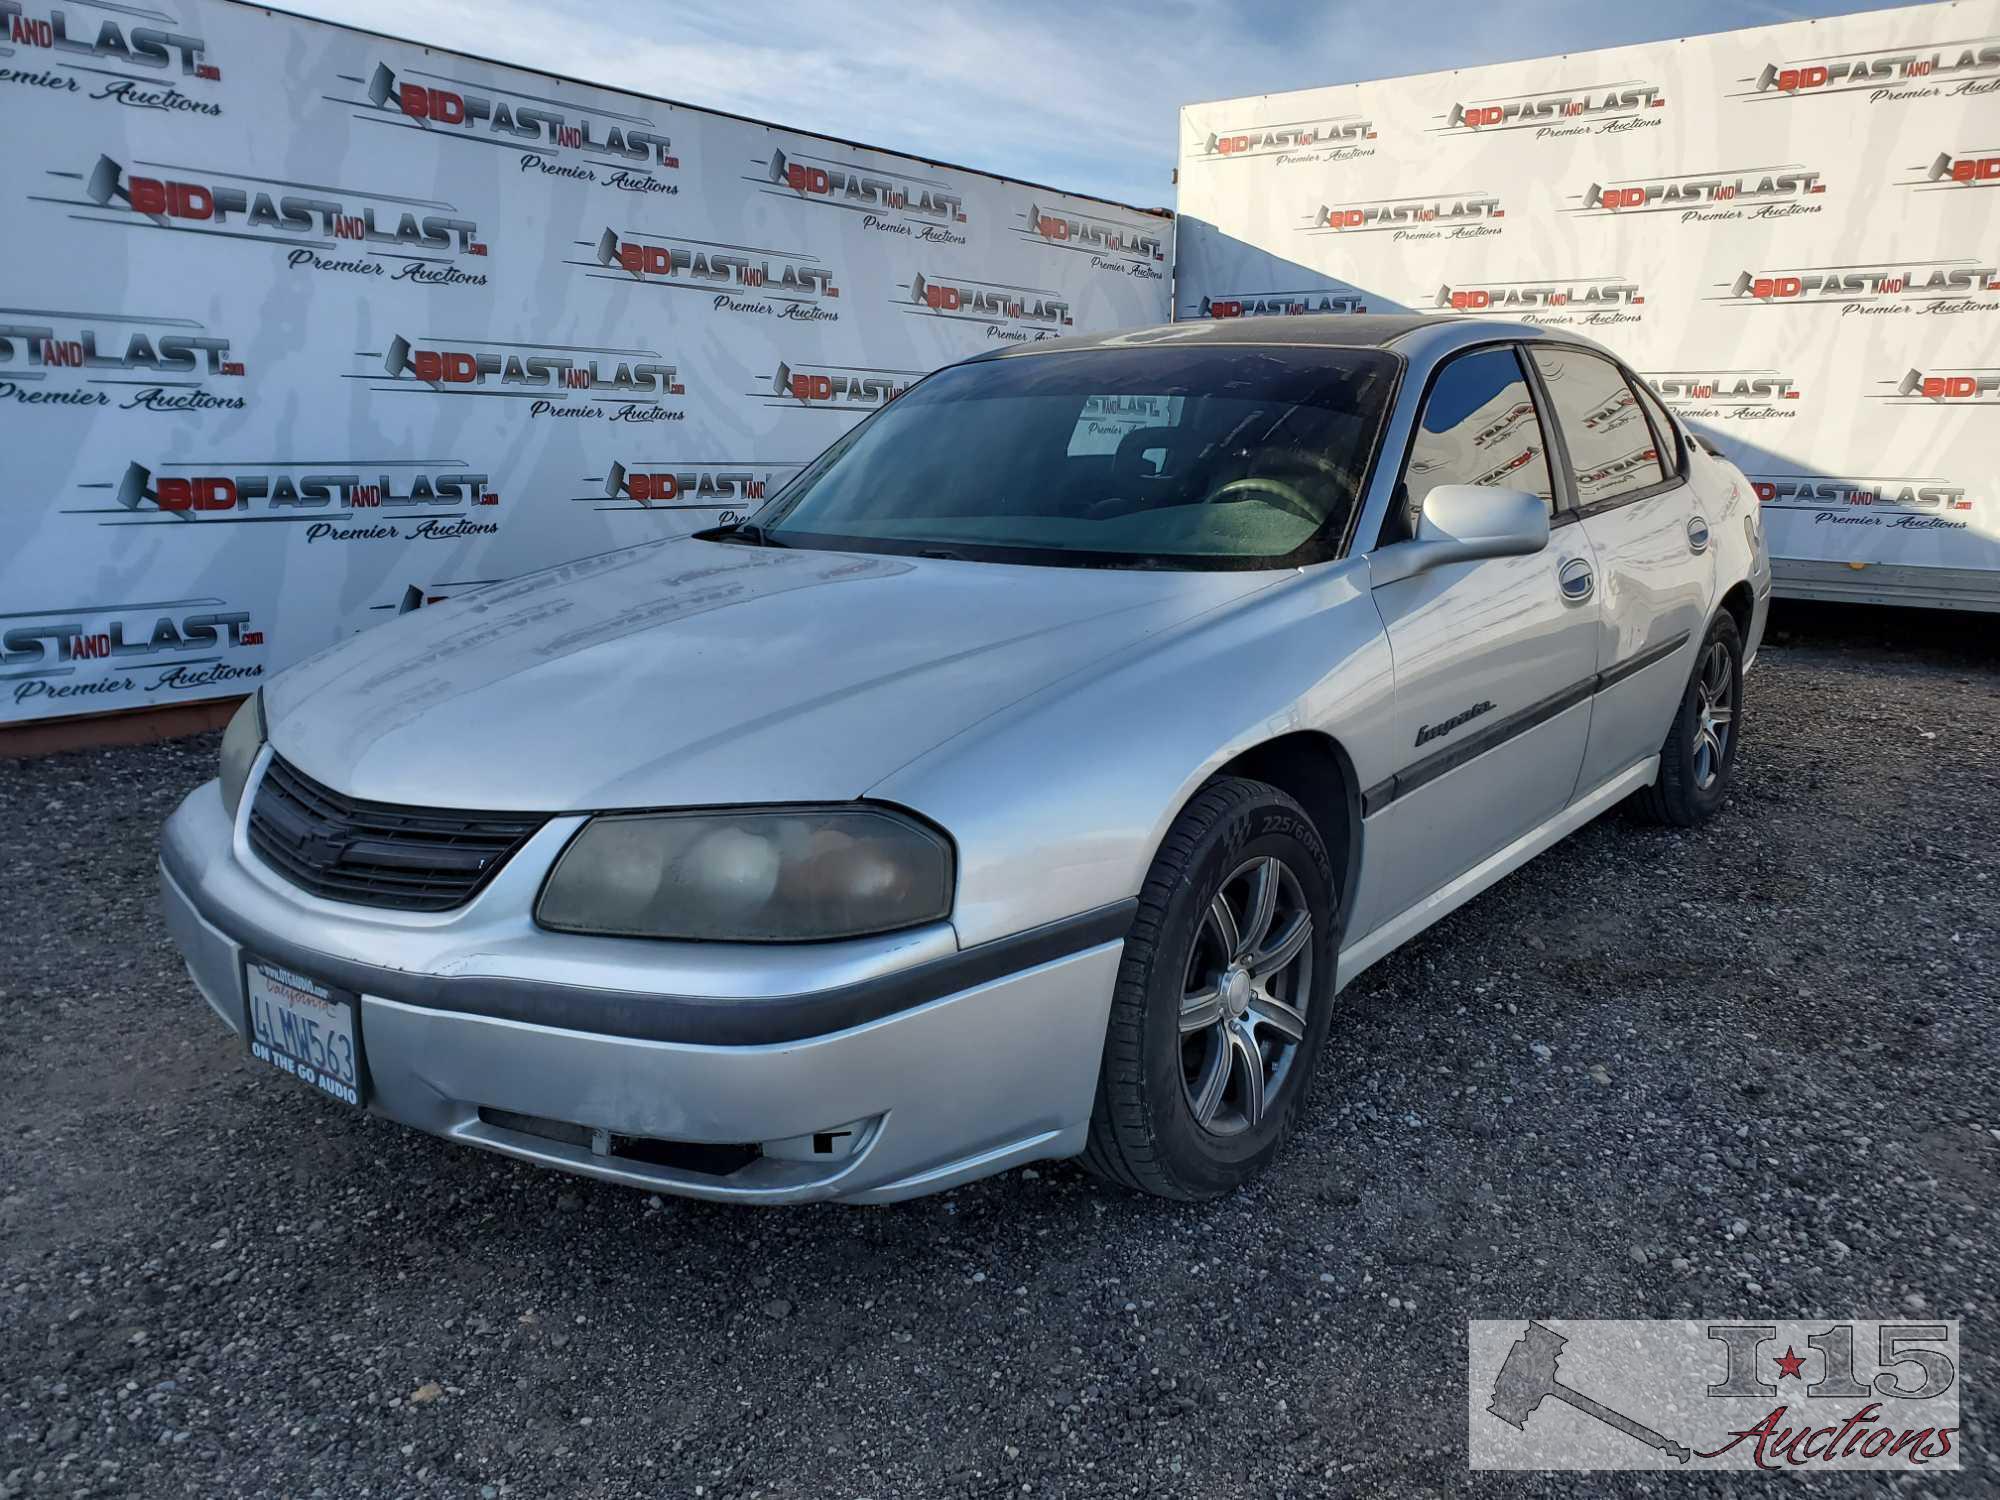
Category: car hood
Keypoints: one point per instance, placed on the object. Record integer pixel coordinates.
(688, 673)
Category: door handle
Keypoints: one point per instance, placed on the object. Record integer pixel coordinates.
(1577, 581)
(1697, 534)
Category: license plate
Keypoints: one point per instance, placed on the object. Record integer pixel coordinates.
(302, 1027)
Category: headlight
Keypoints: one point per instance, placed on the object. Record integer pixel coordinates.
(756, 875)
(240, 743)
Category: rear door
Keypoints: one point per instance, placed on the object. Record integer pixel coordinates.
(1656, 574)
(1493, 659)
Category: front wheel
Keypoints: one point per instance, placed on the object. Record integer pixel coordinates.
(1224, 997)
(1700, 753)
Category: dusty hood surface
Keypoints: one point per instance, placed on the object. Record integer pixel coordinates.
(687, 673)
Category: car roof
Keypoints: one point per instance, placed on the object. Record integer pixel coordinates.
(1418, 335)
(1342, 330)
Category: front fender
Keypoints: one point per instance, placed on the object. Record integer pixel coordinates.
(1059, 802)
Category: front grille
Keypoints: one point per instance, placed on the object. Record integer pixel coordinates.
(375, 854)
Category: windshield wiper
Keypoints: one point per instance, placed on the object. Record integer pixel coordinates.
(742, 531)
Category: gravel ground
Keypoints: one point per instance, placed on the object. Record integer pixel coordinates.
(1747, 1070)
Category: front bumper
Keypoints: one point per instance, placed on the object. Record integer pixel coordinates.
(866, 1071)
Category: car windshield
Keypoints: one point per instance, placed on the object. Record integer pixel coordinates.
(1163, 456)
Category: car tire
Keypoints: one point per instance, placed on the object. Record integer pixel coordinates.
(1199, 991)
(1700, 752)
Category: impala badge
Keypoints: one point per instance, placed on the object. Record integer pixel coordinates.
(1429, 732)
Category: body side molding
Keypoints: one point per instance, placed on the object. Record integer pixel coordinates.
(1392, 934)
(1440, 762)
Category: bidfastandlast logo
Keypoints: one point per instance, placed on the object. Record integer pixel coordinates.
(1298, 143)
(1726, 395)
(228, 208)
(918, 208)
(1932, 287)
(1556, 114)
(1111, 245)
(1964, 386)
(1281, 304)
(776, 284)
(1507, 467)
(1012, 314)
(1709, 197)
(53, 358)
(1502, 426)
(1609, 477)
(101, 43)
(732, 488)
(1105, 421)
(1895, 502)
(1976, 169)
(1550, 301)
(561, 381)
(336, 502)
(625, 151)
(848, 388)
(1655, 1394)
(1621, 409)
(1424, 217)
(173, 645)
(416, 596)
(1926, 70)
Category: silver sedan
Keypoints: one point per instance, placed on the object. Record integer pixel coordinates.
(1025, 780)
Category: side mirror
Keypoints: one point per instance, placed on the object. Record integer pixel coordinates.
(1463, 523)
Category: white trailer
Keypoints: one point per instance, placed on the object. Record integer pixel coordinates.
(1792, 231)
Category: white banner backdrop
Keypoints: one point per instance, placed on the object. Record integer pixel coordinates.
(1793, 232)
(304, 327)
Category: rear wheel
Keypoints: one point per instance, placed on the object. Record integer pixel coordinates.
(1700, 753)
(1224, 997)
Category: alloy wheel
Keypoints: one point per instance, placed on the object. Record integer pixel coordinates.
(1714, 713)
(1244, 997)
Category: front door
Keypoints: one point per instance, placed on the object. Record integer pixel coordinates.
(1494, 660)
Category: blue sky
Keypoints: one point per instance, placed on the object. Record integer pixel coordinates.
(1079, 95)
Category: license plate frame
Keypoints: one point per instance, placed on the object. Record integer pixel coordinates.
(306, 1029)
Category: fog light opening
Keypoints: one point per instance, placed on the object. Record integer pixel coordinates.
(833, 1144)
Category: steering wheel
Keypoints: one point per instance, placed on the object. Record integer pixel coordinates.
(1289, 498)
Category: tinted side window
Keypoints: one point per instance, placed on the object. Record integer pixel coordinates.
(1479, 427)
(1663, 425)
(1610, 444)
